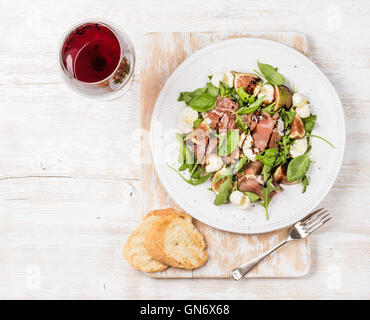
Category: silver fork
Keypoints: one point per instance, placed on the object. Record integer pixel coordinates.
(299, 231)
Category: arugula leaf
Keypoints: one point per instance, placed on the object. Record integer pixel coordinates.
(185, 166)
(193, 181)
(287, 117)
(228, 142)
(197, 122)
(245, 97)
(323, 139)
(267, 189)
(252, 107)
(225, 91)
(298, 167)
(286, 142)
(240, 123)
(240, 164)
(305, 183)
(194, 168)
(203, 102)
(270, 108)
(309, 123)
(212, 90)
(266, 171)
(224, 191)
(185, 155)
(270, 157)
(197, 173)
(252, 196)
(270, 74)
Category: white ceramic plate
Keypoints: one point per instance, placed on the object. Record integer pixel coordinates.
(241, 55)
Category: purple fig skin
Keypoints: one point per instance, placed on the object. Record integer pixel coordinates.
(250, 82)
(283, 97)
(280, 176)
(297, 128)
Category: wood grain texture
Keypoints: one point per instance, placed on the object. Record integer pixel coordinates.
(163, 53)
(69, 190)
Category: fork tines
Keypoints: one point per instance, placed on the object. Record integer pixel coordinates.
(315, 220)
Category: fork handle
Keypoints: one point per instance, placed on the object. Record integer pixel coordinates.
(241, 271)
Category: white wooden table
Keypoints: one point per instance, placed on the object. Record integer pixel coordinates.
(68, 185)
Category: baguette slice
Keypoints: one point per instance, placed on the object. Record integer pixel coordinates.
(134, 250)
(176, 242)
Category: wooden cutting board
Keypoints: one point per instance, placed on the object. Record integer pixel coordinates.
(163, 52)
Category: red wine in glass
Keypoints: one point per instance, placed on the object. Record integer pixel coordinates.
(97, 60)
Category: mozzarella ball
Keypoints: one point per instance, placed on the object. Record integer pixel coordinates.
(303, 111)
(298, 148)
(298, 99)
(240, 200)
(229, 79)
(213, 163)
(216, 78)
(268, 91)
(280, 126)
(189, 114)
(249, 154)
(185, 126)
(226, 78)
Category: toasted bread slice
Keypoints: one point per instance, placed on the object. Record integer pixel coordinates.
(134, 250)
(176, 242)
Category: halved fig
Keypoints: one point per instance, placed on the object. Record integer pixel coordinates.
(216, 184)
(280, 175)
(297, 128)
(250, 82)
(283, 97)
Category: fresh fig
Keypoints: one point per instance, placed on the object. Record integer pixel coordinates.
(216, 184)
(250, 82)
(280, 175)
(283, 97)
(297, 128)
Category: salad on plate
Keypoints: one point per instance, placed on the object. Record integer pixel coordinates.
(249, 133)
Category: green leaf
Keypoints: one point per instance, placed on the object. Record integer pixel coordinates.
(270, 157)
(187, 96)
(240, 123)
(240, 164)
(212, 90)
(266, 172)
(286, 142)
(267, 189)
(185, 166)
(252, 107)
(323, 139)
(203, 102)
(228, 143)
(298, 167)
(270, 74)
(252, 196)
(287, 117)
(270, 108)
(197, 122)
(245, 97)
(305, 183)
(185, 155)
(309, 123)
(224, 191)
(193, 181)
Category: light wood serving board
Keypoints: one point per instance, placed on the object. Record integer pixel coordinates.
(163, 52)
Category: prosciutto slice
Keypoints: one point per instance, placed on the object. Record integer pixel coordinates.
(264, 129)
(221, 116)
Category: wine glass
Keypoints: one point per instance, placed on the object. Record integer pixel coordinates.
(97, 60)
